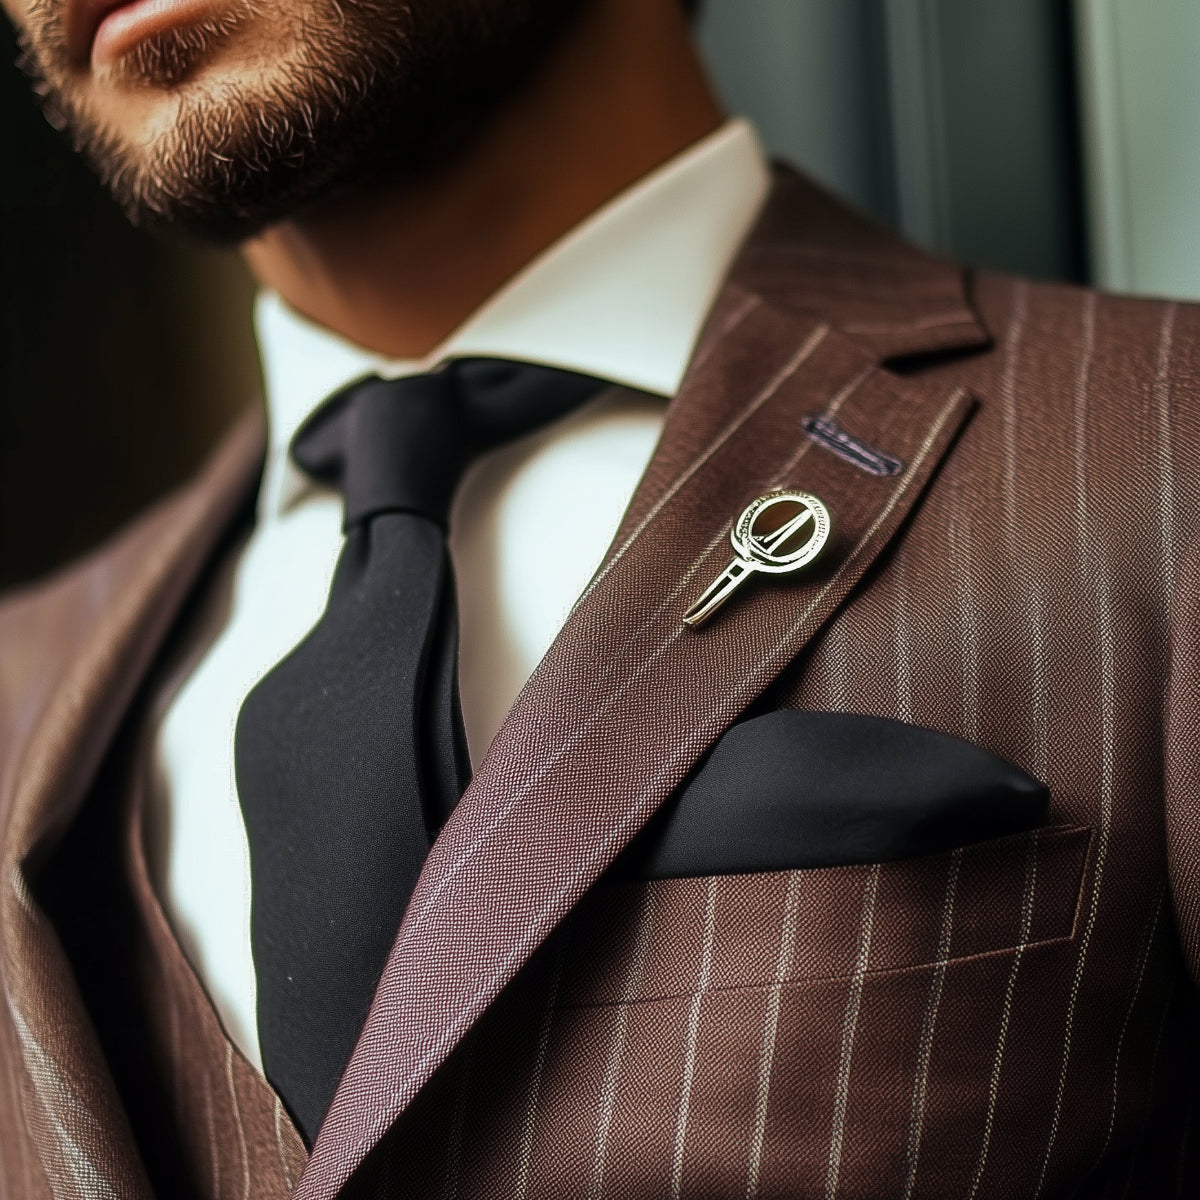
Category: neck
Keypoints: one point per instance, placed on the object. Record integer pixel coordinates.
(398, 269)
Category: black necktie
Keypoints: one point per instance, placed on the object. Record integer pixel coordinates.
(350, 753)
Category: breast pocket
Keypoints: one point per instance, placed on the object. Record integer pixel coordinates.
(635, 942)
(773, 1033)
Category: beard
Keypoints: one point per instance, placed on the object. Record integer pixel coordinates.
(363, 92)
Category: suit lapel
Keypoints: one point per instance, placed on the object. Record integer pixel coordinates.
(91, 638)
(628, 699)
(108, 619)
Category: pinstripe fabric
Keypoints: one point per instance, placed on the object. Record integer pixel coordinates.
(787, 945)
(64, 1128)
(920, 1091)
(1012, 1019)
(1086, 434)
(557, 779)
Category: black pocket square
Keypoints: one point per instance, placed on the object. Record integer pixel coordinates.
(797, 789)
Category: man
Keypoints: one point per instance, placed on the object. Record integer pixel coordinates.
(831, 825)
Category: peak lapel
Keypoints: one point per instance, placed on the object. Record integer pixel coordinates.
(628, 699)
(811, 252)
(811, 257)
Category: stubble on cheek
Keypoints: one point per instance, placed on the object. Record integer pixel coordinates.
(135, 119)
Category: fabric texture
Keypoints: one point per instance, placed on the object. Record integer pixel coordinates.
(350, 753)
(1016, 1018)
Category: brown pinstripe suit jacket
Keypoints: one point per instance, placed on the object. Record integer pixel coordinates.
(1011, 1019)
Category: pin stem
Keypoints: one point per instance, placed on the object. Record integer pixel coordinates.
(718, 592)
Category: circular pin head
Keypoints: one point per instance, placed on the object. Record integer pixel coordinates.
(782, 531)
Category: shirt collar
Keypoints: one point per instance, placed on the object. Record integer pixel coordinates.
(623, 296)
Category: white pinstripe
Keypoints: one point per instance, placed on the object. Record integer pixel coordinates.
(237, 1121)
(740, 312)
(934, 321)
(1143, 960)
(1018, 954)
(732, 322)
(693, 1035)
(601, 851)
(1162, 1027)
(849, 1029)
(616, 1048)
(24, 897)
(53, 1088)
(783, 475)
(961, 560)
(722, 535)
(1008, 398)
(533, 1095)
(789, 368)
(766, 1061)
(4, 1064)
(176, 1061)
(838, 644)
(901, 640)
(848, 389)
(1088, 569)
(213, 1146)
(283, 1158)
(18, 1109)
(1033, 602)
(916, 1124)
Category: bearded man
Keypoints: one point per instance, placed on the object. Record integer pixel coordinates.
(684, 695)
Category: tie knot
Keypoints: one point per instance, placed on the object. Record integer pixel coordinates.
(402, 445)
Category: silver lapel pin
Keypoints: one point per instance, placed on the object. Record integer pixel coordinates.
(777, 533)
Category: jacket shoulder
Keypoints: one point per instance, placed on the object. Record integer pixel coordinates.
(1031, 319)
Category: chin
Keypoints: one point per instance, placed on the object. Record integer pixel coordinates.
(222, 127)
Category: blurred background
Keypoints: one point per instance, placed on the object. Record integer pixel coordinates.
(1045, 137)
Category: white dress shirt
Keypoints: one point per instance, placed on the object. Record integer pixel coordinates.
(622, 297)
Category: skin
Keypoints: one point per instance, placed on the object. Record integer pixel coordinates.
(399, 271)
(397, 265)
